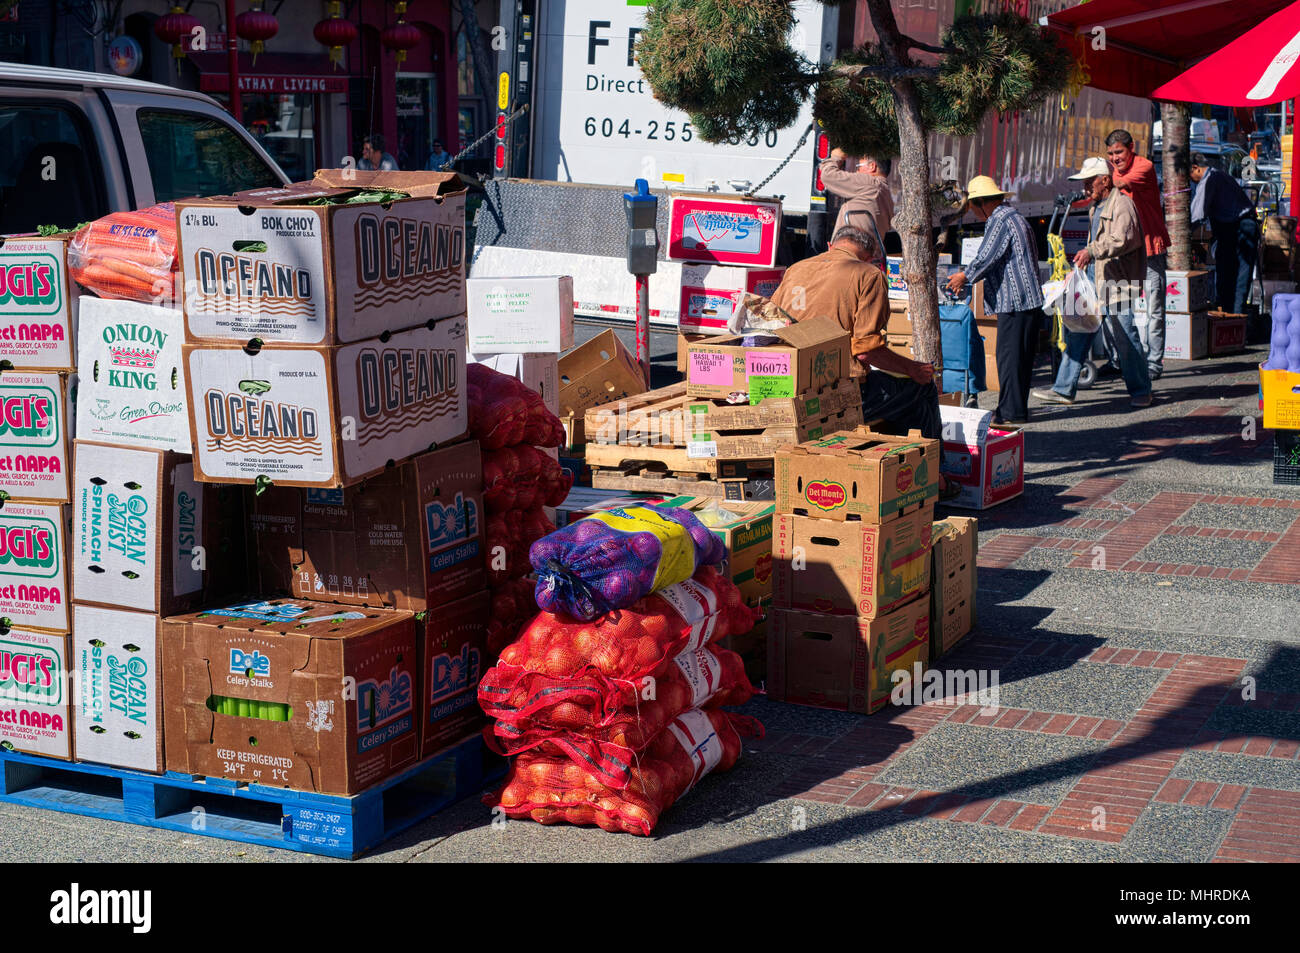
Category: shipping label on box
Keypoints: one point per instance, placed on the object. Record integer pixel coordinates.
(132, 391)
(453, 650)
(119, 710)
(35, 693)
(857, 475)
(711, 294)
(271, 264)
(718, 230)
(955, 546)
(843, 661)
(856, 568)
(303, 695)
(33, 565)
(326, 417)
(410, 538)
(35, 438)
(526, 315)
(143, 530)
(1280, 398)
(806, 356)
(38, 304)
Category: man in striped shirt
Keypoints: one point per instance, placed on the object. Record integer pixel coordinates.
(1007, 262)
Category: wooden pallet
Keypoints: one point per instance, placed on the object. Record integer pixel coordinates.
(758, 487)
(251, 813)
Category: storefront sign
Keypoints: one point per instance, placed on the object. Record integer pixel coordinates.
(124, 56)
(220, 83)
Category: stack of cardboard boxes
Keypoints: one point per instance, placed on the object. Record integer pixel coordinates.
(1187, 323)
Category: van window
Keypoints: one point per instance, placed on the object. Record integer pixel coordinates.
(193, 154)
(49, 170)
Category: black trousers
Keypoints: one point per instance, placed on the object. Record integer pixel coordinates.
(903, 403)
(1017, 345)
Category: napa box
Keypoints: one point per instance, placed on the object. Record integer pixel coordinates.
(410, 538)
(145, 534)
(118, 716)
(526, 315)
(855, 568)
(35, 693)
(325, 417)
(954, 548)
(986, 461)
(132, 390)
(453, 652)
(784, 362)
(712, 293)
(858, 475)
(33, 565)
(845, 662)
(38, 304)
(303, 695)
(718, 230)
(317, 263)
(36, 417)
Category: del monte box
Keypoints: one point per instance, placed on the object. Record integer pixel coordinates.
(38, 304)
(858, 475)
(344, 257)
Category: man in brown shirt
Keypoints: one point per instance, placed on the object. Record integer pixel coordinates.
(868, 204)
(842, 284)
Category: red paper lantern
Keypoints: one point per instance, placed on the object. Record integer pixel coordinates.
(174, 28)
(336, 33)
(257, 27)
(401, 36)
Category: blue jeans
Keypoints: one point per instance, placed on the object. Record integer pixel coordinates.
(1132, 360)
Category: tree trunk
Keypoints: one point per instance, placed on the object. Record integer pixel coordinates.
(474, 36)
(913, 218)
(1175, 162)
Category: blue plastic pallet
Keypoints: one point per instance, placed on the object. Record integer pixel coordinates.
(252, 813)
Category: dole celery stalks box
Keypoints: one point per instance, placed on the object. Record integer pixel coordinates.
(38, 304)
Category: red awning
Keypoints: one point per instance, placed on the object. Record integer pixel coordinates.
(1257, 69)
(1150, 42)
(272, 73)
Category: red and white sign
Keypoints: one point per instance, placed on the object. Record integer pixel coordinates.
(717, 231)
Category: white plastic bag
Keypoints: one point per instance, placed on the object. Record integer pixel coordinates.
(1080, 308)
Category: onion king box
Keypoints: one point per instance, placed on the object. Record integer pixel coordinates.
(326, 417)
(38, 304)
(453, 646)
(409, 538)
(132, 391)
(33, 566)
(317, 263)
(35, 435)
(35, 693)
(303, 695)
(119, 688)
(145, 534)
(719, 230)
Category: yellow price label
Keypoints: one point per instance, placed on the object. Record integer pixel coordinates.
(503, 91)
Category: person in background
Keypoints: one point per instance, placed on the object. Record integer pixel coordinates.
(1136, 176)
(1007, 262)
(842, 284)
(438, 159)
(1118, 249)
(373, 156)
(868, 204)
(1226, 206)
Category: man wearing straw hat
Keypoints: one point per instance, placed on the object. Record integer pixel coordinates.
(1007, 262)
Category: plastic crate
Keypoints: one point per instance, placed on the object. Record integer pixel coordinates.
(1286, 457)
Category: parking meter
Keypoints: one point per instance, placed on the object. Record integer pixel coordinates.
(642, 260)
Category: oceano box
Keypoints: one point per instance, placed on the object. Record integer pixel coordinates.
(38, 304)
(132, 391)
(326, 417)
(33, 565)
(276, 264)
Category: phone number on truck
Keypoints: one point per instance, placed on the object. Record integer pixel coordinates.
(667, 131)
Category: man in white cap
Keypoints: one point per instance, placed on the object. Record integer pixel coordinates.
(1007, 262)
(1118, 249)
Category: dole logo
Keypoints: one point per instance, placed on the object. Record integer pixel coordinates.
(905, 477)
(251, 664)
(826, 494)
(380, 702)
(455, 674)
(452, 522)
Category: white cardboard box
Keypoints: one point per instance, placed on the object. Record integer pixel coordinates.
(36, 416)
(133, 388)
(34, 565)
(325, 416)
(537, 372)
(38, 305)
(524, 315)
(119, 687)
(1186, 336)
(711, 293)
(36, 693)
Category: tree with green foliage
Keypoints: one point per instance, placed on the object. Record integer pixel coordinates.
(729, 64)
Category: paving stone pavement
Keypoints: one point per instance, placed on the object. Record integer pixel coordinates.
(1138, 608)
